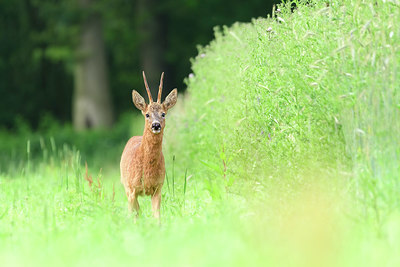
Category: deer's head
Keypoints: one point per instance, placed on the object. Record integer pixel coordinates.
(154, 112)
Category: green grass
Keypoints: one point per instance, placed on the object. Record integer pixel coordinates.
(284, 151)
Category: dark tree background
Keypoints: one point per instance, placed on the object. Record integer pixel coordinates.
(78, 60)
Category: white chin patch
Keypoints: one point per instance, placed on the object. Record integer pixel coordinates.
(156, 131)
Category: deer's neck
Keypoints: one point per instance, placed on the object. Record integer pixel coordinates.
(151, 146)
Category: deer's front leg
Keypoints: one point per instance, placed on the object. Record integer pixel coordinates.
(156, 202)
(133, 202)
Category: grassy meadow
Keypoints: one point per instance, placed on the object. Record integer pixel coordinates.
(284, 151)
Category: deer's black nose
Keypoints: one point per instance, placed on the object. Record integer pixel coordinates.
(156, 126)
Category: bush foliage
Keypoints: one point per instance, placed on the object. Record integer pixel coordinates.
(314, 89)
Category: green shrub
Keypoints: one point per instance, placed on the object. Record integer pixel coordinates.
(313, 89)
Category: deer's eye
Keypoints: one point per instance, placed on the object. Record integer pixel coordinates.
(163, 115)
(147, 115)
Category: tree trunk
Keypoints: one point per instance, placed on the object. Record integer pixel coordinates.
(92, 105)
(152, 50)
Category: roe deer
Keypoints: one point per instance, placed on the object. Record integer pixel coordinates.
(142, 161)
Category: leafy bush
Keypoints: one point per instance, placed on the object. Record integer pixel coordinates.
(314, 89)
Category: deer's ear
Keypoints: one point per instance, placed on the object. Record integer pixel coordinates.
(171, 99)
(138, 100)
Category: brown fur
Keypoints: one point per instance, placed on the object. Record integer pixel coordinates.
(142, 161)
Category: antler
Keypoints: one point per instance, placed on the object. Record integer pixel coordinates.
(147, 88)
(160, 88)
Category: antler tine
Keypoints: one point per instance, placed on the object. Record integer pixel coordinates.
(160, 88)
(147, 88)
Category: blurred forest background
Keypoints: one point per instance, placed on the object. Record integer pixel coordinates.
(78, 60)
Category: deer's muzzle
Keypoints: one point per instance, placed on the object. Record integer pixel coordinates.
(156, 127)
